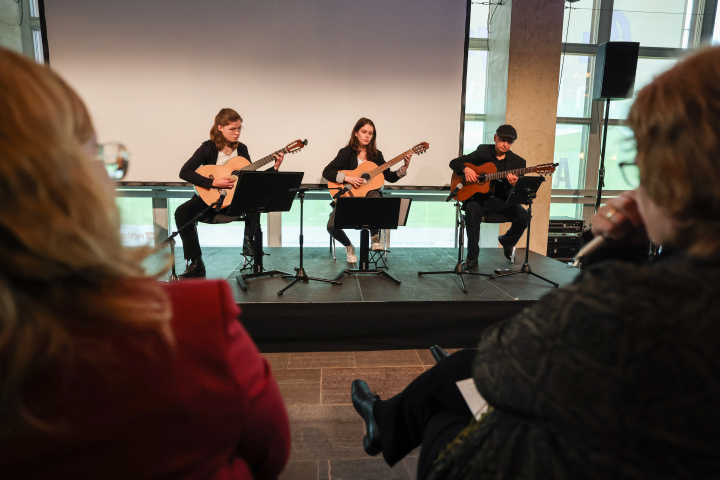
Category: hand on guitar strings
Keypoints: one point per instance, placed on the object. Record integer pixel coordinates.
(470, 175)
(223, 182)
(355, 181)
(512, 179)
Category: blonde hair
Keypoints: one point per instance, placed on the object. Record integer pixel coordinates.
(676, 121)
(64, 273)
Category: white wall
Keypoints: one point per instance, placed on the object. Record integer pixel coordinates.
(154, 74)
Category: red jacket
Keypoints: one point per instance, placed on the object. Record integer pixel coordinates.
(207, 408)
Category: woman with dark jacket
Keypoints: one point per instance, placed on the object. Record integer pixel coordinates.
(362, 147)
(618, 374)
(222, 146)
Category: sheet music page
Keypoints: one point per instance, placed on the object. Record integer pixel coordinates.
(474, 400)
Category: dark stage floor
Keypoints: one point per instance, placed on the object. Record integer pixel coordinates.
(370, 312)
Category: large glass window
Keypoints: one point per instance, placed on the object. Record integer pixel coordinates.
(478, 20)
(574, 86)
(578, 22)
(476, 80)
(716, 30)
(653, 23)
(474, 132)
(620, 148)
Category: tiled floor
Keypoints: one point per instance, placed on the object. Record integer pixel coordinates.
(326, 431)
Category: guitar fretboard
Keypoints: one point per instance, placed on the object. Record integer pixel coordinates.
(259, 163)
(388, 164)
(517, 171)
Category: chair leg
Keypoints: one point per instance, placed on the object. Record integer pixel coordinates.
(332, 246)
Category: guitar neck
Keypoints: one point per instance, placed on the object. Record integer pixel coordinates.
(260, 163)
(388, 164)
(503, 174)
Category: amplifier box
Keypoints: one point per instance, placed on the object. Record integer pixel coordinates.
(562, 251)
(564, 240)
(566, 225)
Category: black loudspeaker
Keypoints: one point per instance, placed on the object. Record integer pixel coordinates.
(615, 68)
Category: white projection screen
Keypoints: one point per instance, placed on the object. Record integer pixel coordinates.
(155, 73)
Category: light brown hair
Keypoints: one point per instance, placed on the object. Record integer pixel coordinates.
(676, 121)
(64, 273)
(224, 117)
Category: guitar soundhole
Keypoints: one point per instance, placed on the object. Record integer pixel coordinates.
(482, 178)
(365, 176)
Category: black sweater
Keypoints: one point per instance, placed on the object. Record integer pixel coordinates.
(346, 159)
(485, 154)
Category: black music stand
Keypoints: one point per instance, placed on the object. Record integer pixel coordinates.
(262, 192)
(524, 191)
(459, 270)
(300, 271)
(362, 214)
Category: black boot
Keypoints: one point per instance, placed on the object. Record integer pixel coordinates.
(196, 268)
(507, 247)
(248, 248)
(363, 400)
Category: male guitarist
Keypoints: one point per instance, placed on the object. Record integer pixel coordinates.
(222, 146)
(481, 204)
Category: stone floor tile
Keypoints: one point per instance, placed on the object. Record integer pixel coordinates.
(321, 360)
(386, 382)
(277, 361)
(301, 470)
(299, 386)
(389, 358)
(322, 432)
(362, 469)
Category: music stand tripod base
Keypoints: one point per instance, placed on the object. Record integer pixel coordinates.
(300, 274)
(459, 270)
(525, 188)
(262, 192)
(364, 261)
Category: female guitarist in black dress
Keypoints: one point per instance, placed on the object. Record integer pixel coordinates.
(222, 146)
(361, 148)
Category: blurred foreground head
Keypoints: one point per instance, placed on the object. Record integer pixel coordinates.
(63, 270)
(676, 121)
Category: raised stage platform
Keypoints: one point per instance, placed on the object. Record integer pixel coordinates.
(370, 312)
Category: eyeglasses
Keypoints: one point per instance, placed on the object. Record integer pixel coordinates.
(115, 157)
(630, 173)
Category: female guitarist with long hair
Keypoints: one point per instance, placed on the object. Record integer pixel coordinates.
(222, 146)
(361, 148)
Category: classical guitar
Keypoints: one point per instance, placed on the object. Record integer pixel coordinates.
(232, 169)
(488, 172)
(371, 173)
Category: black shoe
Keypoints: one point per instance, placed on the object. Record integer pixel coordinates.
(471, 263)
(196, 268)
(248, 248)
(438, 353)
(507, 248)
(363, 400)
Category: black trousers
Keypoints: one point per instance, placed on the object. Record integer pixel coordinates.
(185, 212)
(429, 412)
(338, 233)
(475, 209)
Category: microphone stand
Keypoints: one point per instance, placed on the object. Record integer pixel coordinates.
(216, 206)
(300, 274)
